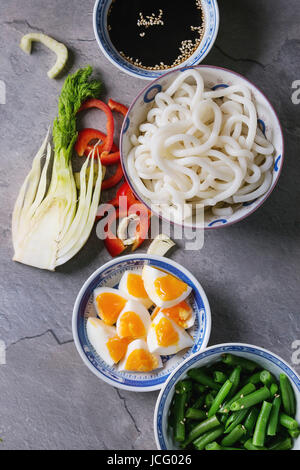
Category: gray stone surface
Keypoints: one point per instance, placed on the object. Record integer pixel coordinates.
(250, 271)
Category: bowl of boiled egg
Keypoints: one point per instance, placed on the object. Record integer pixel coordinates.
(137, 318)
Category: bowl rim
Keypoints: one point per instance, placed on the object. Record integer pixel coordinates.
(214, 67)
(94, 275)
(191, 358)
(160, 73)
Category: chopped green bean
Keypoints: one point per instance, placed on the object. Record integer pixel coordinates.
(267, 378)
(194, 413)
(274, 389)
(250, 446)
(181, 396)
(251, 419)
(261, 424)
(287, 422)
(274, 416)
(209, 399)
(285, 394)
(184, 386)
(219, 377)
(294, 433)
(215, 446)
(201, 377)
(255, 378)
(292, 398)
(235, 379)
(222, 394)
(246, 390)
(246, 364)
(285, 444)
(234, 436)
(198, 388)
(210, 436)
(199, 402)
(202, 428)
(249, 400)
(237, 418)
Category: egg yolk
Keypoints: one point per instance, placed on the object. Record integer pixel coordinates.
(109, 306)
(169, 287)
(135, 286)
(141, 361)
(131, 326)
(117, 347)
(165, 333)
(180, 313)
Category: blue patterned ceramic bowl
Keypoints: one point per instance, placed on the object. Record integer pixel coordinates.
(214, 77)
(265, 358)
(109, 275)
(211, 17)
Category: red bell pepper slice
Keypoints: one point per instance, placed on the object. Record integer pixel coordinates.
(114, 179)
(123, 191)
(115, 106)
(82, 146)
(143, 225)
(113, 244)
(106, 146)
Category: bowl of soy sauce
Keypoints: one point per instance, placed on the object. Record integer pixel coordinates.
(146, 38)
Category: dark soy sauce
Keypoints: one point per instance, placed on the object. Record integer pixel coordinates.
(155, 34)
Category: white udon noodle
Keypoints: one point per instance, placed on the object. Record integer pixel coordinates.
(201, 148)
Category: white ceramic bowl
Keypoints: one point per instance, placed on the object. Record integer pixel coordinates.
(211, 18)
(265, 358)
(109, 275)
(213, 77)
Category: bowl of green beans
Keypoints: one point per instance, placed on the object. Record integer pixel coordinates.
(230, 396)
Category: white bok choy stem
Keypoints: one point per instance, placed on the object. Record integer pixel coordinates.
(50, 225)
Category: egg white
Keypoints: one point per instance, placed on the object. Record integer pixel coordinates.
(184, 339)
(98, 334)
(146, 301)
(149, 275)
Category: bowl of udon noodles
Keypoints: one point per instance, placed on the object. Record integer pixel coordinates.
(202, 147)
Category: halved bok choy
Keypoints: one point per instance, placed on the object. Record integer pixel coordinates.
(51, 221)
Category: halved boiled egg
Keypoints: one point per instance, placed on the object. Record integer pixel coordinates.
(139, 359)
(165, 290)
(166, 337)
(181, 313)
(109, 303)
(134, 321)
(105, 340)
(132, 284)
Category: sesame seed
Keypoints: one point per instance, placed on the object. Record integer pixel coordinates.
(186, 48)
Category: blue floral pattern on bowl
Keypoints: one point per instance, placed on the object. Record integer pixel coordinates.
(109, 275)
